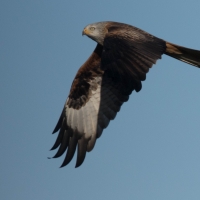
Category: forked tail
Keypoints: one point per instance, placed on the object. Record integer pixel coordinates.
(184, 54)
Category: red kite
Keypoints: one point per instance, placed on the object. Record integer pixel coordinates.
(117, 66)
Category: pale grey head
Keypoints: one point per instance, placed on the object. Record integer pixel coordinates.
(96, 31)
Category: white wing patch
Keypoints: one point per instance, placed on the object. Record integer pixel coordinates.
(84, 121)
(81, 127)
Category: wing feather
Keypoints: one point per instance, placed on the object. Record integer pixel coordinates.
(63, 145)
(129, 53)
(59, 124)
(88, 111)
(60, 135)
(82, 147)
(71, 150)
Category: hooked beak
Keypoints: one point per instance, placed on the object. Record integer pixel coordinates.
(85, 31)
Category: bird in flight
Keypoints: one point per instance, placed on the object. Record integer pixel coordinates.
(116, 67)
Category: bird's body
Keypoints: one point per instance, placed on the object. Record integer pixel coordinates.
(117, 66)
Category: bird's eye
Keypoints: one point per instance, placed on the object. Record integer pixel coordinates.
(92, 28)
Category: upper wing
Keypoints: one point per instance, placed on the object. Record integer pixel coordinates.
(129, 53)
(93, 101)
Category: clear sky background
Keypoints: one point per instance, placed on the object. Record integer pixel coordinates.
(150, 151)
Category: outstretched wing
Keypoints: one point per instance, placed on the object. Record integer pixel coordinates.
(93, 101)
(129, 52)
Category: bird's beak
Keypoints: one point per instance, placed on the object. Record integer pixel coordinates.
(85, 31)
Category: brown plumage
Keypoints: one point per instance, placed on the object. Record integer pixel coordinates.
(117, 66)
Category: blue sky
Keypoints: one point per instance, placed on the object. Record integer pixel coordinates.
(150, 151)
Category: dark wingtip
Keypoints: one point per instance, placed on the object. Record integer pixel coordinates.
(56, 128)
(56, 156)
(56, 144)
(66, 161)
(63, 146)
(52, 148)
(70, 152)
(82, 147)
(61, 166)
(59, 123)
(60, 135)
(78, 164)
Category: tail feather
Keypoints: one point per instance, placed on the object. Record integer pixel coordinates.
(184, 54)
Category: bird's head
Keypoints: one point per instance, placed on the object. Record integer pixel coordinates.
(96, 31)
